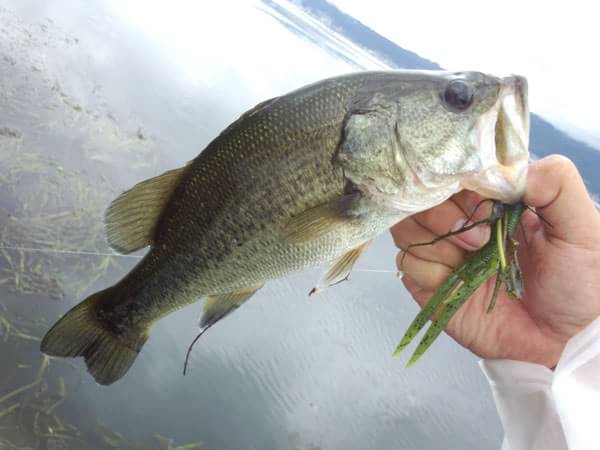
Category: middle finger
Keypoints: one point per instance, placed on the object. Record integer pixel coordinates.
(409, 232)
(448, 217)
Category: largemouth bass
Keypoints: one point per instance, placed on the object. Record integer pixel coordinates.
(299, 180)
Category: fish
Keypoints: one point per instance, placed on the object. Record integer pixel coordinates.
(303, 179)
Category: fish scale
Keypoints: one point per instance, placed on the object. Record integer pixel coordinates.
(303, 176)
(299, 180)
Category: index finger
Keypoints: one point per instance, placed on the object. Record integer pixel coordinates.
(557, 191)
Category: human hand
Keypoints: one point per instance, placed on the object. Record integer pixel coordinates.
(560, 266)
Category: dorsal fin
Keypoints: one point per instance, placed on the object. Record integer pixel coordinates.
(257, 108)
(132, 216)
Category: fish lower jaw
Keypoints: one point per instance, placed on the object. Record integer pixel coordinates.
(504, 183)
(501, 138)
(417, 200)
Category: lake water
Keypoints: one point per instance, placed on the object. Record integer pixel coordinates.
(96, 96)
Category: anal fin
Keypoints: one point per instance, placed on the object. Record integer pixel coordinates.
(218, 306)
(341, 268)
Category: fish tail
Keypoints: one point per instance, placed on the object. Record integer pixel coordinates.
(108, 351)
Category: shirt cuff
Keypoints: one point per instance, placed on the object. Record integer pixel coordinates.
(542, 409)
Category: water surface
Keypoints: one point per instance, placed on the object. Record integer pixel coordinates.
(97, 96)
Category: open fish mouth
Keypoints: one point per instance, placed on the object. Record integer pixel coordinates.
(502, 139)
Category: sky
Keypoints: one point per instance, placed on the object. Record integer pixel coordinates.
(207, 46)
(554, 45)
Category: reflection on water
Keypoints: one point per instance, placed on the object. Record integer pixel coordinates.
(92, 102)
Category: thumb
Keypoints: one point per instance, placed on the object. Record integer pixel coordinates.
(557, 191)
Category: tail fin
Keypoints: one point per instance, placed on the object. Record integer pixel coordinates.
(108, 352)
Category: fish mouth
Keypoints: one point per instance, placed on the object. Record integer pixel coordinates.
(502, 139)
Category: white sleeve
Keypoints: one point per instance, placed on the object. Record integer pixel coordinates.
(542, 409)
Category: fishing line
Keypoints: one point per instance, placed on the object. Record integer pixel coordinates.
(86, 253)
(66, 252)
(542, 218)
(76, 252)
(375, 270)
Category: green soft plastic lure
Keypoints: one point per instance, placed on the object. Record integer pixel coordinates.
(497, 257)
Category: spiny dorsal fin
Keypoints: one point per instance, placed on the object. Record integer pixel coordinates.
(245, 115)
(341, 268)
(132, 216)
(257, 108)
(322, 219)
(218, 306)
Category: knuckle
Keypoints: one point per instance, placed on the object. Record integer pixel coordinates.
(438, 274)
(426, 218)
(560, 165)
(426, 274)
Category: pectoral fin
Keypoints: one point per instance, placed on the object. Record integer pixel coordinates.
(340, 270)
(322, 219)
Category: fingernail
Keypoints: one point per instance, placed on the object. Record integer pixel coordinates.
(475, 237)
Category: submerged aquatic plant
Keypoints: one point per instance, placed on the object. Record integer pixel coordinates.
(53, 211)
(52, 246)
(498, 257)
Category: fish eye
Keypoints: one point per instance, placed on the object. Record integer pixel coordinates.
(458, 95)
